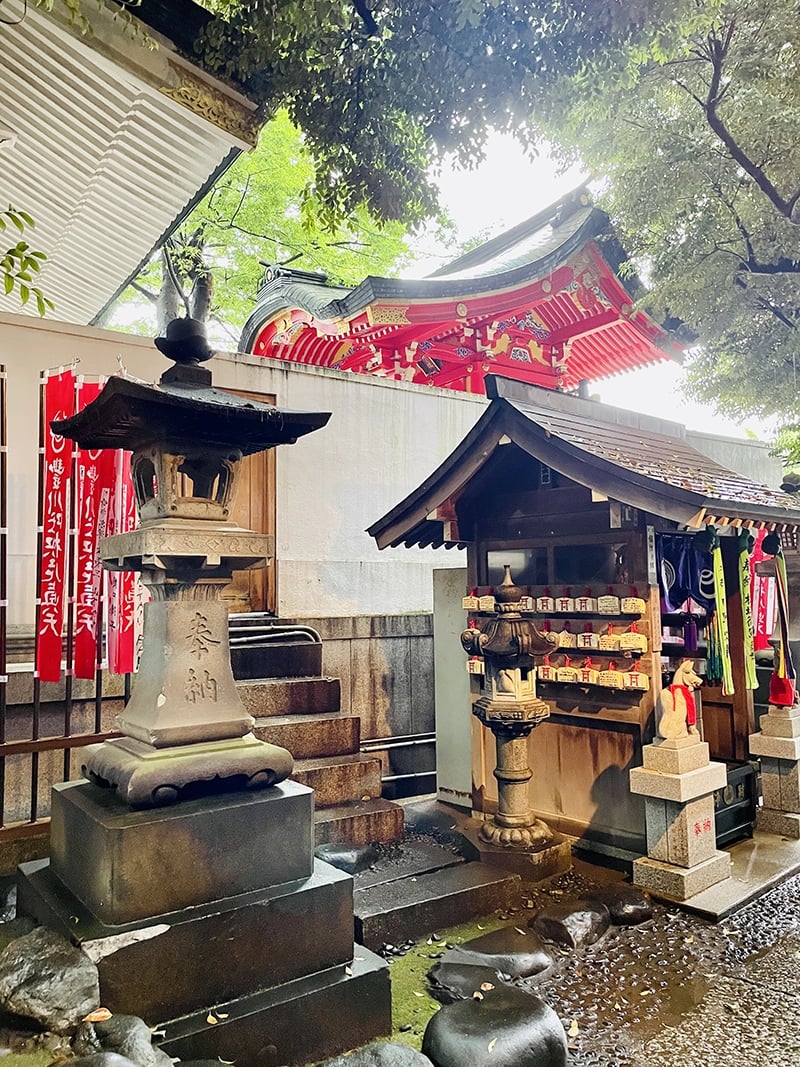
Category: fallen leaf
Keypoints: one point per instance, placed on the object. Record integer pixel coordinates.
(617, 1005)
(348, 971)
(416, 994)
(688, 940)
(481, 927)
(486, 986)
(367, 797)
(523, 932)
(574, 1030)
(211, 1019)
(222, 1015)
(477, 995)
(99, 1015)
(645, 992)
(492, 1043)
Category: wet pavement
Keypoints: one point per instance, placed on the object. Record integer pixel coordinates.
(676, 991)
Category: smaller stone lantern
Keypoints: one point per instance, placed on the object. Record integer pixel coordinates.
(186, 730)
(511, 709)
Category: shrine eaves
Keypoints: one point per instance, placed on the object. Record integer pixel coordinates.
(542, 303)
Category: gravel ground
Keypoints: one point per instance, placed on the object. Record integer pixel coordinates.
(676, 991)
(680, 991)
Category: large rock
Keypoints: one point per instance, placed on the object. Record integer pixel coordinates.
(626, 904)
(380, 1054)
(103, 1059)
(126, 1035)
(512, 950)
(45, 978)
(573, 923)
(449, 982)
(348, 858)
(508, 1028)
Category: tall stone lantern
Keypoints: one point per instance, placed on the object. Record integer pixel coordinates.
(511, 709)
(185, 725)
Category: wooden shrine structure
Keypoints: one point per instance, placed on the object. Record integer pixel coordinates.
(572, 494)
(542, 303)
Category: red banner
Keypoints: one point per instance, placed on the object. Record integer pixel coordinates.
(762, 594)
(59, 403)
(122, 606)
(95, 490)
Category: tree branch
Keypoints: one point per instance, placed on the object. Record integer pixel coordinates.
(152, 297)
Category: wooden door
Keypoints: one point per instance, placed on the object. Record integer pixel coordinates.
(254, 509)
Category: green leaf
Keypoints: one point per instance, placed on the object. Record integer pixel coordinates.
(8, 283)
(24, 294)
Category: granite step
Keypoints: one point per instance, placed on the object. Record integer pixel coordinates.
(413, 907)
(268, 697)
(340, 779)
(360, 822)
(311, 736)
(409, 859)
(273, 659)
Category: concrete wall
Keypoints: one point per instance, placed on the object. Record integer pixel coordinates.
(383, 439)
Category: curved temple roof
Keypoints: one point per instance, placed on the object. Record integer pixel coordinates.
(542, 303)
(630, 458)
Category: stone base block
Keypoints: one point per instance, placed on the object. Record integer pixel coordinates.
(531, 866)
(780, 725)
(668, 758)
(780, 784)
(680, 883)
(680, 834)
(132, 865)
(300, 1022)
(761, 744)
(782, 823)
(679, 787)
(256, 940)
(147, 777)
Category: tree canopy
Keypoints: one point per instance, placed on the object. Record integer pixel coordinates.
(259, 212)
(695, 142)
(381, 88)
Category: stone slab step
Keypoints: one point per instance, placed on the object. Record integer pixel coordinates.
(408, 860)
(412, 907)
(267, 697)
(360, 822)
(274, 659)
(310, 736)
(339, 779)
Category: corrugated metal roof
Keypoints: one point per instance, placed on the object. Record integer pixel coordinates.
(104, 160)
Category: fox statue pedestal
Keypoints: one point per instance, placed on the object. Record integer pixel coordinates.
(184, 867)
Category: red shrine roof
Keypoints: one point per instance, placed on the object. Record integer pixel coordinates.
(542, 303)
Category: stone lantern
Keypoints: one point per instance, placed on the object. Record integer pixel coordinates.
(511, 709)
(185, 725)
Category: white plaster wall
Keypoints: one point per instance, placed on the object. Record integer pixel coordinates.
(382, 440)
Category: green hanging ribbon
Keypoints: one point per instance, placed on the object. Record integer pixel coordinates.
(723, 633)
(746, 542)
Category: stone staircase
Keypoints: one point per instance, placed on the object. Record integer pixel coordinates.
(278, 672)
